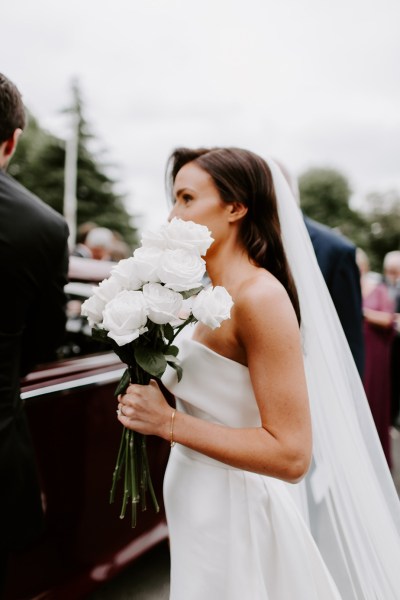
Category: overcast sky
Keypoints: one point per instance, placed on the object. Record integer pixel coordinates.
(311, 82)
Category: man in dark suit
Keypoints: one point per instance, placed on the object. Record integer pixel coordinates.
(336, 257)
(33, 267)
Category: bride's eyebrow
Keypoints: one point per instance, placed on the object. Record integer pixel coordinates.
(182, 190)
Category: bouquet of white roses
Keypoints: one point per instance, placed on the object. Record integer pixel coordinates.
(139, 311)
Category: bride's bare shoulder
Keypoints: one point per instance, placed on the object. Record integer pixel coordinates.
(261, 298)
(260, 286)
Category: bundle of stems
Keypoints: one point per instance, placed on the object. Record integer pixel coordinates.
(132, 461)
(146, 357)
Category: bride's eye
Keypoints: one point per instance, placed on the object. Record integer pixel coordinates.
(187, 198)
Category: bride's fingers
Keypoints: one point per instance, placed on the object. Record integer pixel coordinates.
(131, 397)
(142, 393)
(133, 417)
(143, 408)
(126, 421)
(125, 410)
(134, 388)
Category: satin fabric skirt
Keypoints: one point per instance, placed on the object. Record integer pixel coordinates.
(236, 535)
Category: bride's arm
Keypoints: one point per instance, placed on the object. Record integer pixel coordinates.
(266, 327)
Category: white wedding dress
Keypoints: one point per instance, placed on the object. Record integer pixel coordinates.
(234, 535)
(240, 536)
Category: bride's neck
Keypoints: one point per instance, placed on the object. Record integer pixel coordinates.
(226, 266)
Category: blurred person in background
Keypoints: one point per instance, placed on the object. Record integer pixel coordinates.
(34, 264)
(120, 249)
(391, 271)
(101, 245)
(336, 257)
(378, 310)
(100, 241)
(81, 248)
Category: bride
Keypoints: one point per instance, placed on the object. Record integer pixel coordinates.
(276, 487)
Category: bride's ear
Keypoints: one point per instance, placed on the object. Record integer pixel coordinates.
(236, 211)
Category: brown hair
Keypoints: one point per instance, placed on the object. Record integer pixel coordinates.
(12, 111)
(242, 176)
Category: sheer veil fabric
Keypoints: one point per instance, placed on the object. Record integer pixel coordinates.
(348, 497)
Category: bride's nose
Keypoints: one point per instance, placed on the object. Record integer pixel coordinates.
(173, 213)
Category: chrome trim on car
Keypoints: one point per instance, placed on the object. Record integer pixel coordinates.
(83, 382)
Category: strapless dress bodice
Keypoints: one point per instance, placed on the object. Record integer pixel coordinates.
(213, 387)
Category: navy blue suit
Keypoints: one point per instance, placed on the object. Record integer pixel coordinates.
(33, 270)
(336, 258)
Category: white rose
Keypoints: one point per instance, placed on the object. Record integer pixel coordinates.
(108, 289)
(212, 306)
(188, 235)
(155, 239)
(186, 309)
(125, 317)
(126, 272)
(147, 260)
(181, 270)
(164, 304)
(93, 308)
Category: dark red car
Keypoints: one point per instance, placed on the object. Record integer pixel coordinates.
(71, 411)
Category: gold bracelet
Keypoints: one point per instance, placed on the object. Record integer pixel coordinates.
(171, 433)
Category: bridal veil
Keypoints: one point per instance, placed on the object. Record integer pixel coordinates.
(348, 496)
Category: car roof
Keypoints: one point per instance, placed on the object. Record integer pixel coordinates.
(89, 269)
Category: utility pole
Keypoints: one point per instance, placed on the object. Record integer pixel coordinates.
(70, 176)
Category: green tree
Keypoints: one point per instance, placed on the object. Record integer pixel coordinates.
(30, 145)
(383, 216)
(325, 196)
(39, 165)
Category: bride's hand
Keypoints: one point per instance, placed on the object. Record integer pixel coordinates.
(144, 409)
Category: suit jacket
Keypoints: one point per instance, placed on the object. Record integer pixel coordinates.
(336, 257)
(33, 271)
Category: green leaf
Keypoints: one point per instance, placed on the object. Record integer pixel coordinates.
(123, 352)
(177, 368)
(152, 361)
(170, 359)
(168, 332)
(151, 326)
(158, 346)
(100, 335)
(172, 350)
(123, 383)
(188, 293)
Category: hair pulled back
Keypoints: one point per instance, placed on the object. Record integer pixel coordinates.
(12, 111)
(242, 176)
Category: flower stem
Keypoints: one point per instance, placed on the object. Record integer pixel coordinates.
(143, 471)
(149, 481)
(118, 467)
(126, 477)
(177, 330)
(133, 472)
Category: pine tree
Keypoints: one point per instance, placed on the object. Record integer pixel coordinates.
(39, 165)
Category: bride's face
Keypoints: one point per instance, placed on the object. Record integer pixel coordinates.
(197, 199)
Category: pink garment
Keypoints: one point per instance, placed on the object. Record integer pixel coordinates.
(377, 381)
